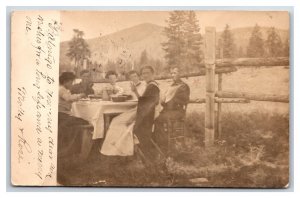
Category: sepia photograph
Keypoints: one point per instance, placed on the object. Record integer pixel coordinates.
(174, 99)
(177, 98)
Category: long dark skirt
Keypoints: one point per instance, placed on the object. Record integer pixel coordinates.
(69, 141)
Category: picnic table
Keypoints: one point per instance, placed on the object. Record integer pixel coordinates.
(95, 110)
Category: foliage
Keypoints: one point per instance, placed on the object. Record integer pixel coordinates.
(145, 59)
(183, 46)
(227, 43)
(193, 40)
(78, 49)
(256, 43)
(274, 46)
(286, 48)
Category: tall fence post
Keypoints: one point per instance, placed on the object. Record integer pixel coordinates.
(219, 114)
(210, 59)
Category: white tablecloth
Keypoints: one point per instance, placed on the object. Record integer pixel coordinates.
(93, 111)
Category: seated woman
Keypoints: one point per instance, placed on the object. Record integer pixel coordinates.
(69, 133)
(112, 88)
(68, 125)
(119, 139)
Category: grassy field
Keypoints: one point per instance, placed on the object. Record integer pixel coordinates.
(252, 152)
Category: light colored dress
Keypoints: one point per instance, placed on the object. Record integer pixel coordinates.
(119, 140)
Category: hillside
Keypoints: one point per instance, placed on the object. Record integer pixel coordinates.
(128, 44)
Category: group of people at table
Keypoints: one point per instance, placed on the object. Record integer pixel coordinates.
(138, 125)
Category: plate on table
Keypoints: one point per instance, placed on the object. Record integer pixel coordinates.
(127, 96)
(84, 99)
(118, 98)
(95, 96)
(132, 100)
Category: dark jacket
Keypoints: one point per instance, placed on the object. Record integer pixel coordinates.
(180, 99)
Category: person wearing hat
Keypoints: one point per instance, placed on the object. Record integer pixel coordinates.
(69, 131)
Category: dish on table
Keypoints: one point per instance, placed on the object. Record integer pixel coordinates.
(120, 98)
(84, 99)
(95, 96)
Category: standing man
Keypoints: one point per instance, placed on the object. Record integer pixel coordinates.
(145, 114)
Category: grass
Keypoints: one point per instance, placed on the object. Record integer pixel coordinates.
(253, 151)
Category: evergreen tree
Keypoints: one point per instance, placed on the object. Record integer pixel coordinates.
(175, 45)
(78, 49)
(193, 40)
(286, 48)
(144, 58)
(219, 49)
(273, 43)
(241, 52)
(110, 66)
(228, 43)
(184, 40)
(256, 43)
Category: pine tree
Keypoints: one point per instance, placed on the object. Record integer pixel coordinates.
(256, 43)
(228, 43)
(78, 49)
(110, 66)
(144, 58)
(286, 48)
(219, 49)
(240, 52)
(175, 45)
(193, 41)
(183, 47)
(273, 43)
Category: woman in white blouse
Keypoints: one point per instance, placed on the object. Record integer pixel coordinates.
(119, 140)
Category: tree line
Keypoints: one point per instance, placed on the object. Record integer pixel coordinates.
(257, 47)
(184, 46)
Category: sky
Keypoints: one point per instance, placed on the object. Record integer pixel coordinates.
(99, 23)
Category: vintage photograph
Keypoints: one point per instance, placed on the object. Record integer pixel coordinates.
(183, 98)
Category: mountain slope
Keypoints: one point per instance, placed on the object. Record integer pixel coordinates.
(127, 44)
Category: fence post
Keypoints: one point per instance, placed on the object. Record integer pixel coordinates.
(219, 116)
(210, 50)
